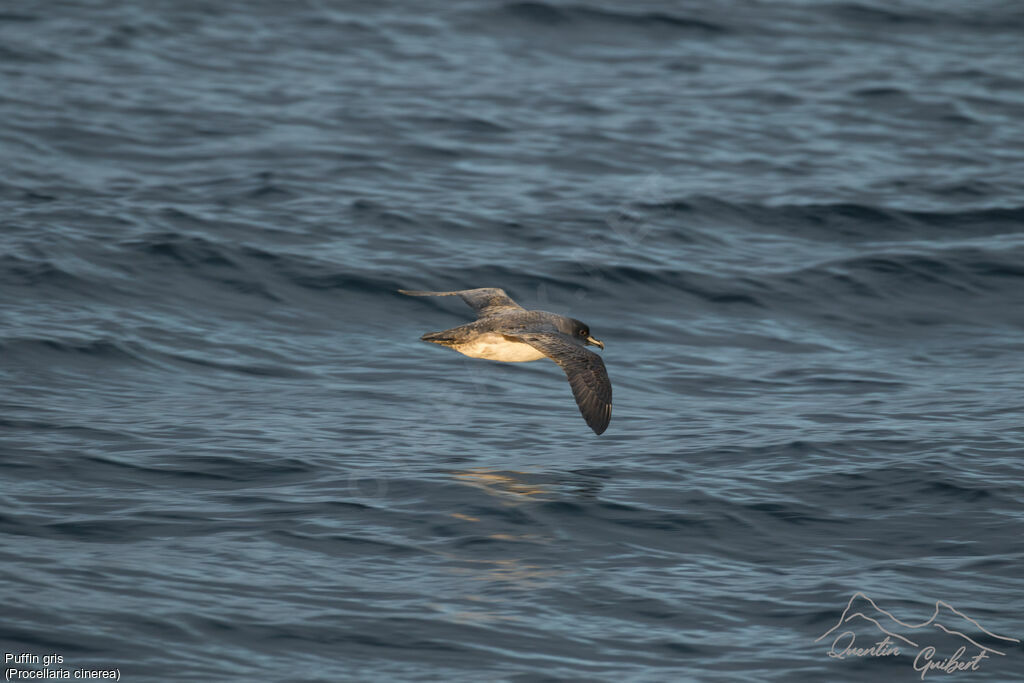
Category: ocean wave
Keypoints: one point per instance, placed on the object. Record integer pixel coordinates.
(547, 14)
(845, 220)
(1006, 16)
(34, 350)
(936, 274)
(35, 272)
(127, 354)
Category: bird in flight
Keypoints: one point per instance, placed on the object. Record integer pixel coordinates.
(505, 331)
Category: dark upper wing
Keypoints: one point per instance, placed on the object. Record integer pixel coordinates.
(485, 301)
(586, 373)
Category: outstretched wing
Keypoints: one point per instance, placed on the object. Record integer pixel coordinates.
(585, 370)
(485, 301)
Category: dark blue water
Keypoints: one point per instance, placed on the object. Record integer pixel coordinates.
(797, 226)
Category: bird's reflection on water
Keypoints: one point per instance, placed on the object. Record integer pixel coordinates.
(506, 485)
(515, 486)
(488, 585)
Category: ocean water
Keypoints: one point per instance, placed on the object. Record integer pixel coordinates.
(798, 227)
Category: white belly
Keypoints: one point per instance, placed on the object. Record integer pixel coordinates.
(496, 347)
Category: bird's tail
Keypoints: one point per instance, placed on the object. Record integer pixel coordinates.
(444, 338)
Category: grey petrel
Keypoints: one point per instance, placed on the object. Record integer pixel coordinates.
(505, 331)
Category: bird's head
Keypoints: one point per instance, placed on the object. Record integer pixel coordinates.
(581, 332)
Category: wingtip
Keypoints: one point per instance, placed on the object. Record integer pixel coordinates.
(600, 423)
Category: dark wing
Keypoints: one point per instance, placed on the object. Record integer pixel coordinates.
(485, 301)
(585, 370)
